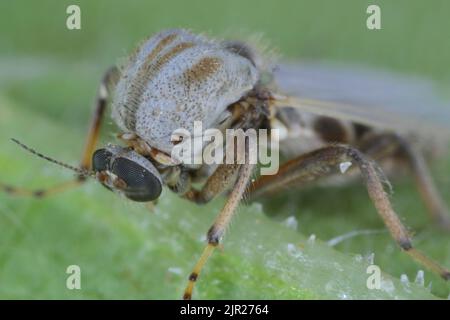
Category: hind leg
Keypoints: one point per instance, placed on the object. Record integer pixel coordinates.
(328, 161)
(385, 145)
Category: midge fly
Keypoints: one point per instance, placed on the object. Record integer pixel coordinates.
(335, 124)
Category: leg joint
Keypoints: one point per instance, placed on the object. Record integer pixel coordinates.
(213, 236)
(39, 193)
(187, 296)
(193, 276)
(405, 244)
(9, 189)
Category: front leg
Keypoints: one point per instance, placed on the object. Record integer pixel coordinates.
(327, 161)
(107, 84)
(215, 184)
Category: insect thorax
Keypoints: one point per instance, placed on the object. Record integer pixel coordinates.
(176, 78)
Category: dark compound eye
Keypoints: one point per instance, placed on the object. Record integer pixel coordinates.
(142, 184)
(101, 159)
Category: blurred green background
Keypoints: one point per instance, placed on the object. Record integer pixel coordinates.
(48, 81)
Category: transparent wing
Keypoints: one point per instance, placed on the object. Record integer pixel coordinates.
(367, 96)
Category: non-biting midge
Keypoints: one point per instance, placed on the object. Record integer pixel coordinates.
(331, 119)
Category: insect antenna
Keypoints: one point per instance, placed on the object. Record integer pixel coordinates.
(81, 172)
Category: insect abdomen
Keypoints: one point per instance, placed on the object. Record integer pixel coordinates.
(305, 132)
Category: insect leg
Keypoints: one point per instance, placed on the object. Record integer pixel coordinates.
(326, 161)
(386, 145)
(39, 193)
(108, 79)
(217, 230)
(426, 187)
(221, 178)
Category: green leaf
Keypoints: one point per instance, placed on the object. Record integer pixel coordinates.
(127, 251)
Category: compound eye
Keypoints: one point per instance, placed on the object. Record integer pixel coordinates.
(141, 183)
(101, 159)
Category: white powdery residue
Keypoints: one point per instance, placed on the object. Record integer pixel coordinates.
(358, 258)
(404, 279)
(329, 287)
(338, 267)
(343, 166)
(291, 247)
(185, 224)
(145, 248)
(336, 240)
(127, 135)
(371, 258)
(175, 270)
(312, 239)
(405, 282)
(420, 278)
(344, 296)
(257, 207)
(271, 264)
(387, 285)
(291, 222)
(294, 251)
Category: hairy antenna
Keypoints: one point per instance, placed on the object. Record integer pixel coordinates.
(80, 171)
